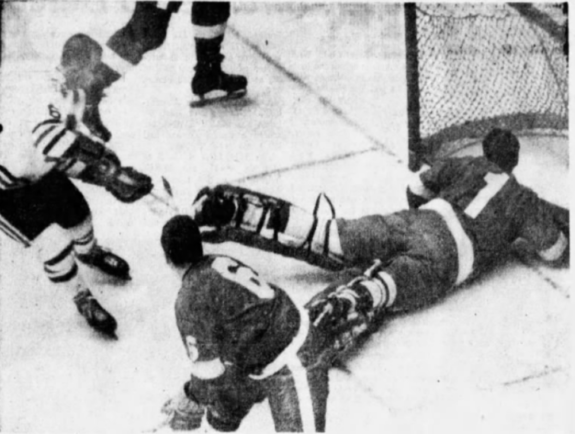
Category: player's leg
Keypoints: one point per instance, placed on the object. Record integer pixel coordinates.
(145, 31)
(291, 399)
(318, 380)
(86, 65)
(25, 216)
(71, 211)
(209, 20)
(55, 250)
(269, 223)
(350, 308)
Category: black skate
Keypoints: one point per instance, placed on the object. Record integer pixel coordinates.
(107, 262)
(209, 76)
(95, 314)
(209, 80)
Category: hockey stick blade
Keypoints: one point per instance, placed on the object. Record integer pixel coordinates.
(161, 200)
(167, 186)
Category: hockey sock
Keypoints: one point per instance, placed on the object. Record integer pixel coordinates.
(374, 290)
(55, 250)
(83, 237)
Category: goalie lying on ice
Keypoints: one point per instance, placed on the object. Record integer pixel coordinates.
(467, 214)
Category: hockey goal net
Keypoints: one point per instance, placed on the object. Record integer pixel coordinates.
(472, 67)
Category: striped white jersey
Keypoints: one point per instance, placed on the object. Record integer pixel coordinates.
(34, 153)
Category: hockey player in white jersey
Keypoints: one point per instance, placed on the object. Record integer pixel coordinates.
(93, 67)
(41, 207)
(465, 214)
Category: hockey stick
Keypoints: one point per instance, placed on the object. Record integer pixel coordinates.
(161, 199)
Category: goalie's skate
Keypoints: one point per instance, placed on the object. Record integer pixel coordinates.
(107, 262)
(340, 325)
(96, 316)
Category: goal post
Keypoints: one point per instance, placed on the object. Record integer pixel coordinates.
(475, 66)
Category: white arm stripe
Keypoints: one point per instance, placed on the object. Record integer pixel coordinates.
(556, 250)
(209, 32)
(417, 187)
(464, 246)
(115, 61)
(208, 369)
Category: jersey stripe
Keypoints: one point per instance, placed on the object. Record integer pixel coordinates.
(60, 256)
(494, 182)
(54, 141)
(41, 137)
(302, 387)
(390, 286)
(290, 351)
(208, 369)
(556, 250)
(47, 122)
(9, 229)
(416, 185)
(9, 181)
(61, 144)
(209, 32)
(464, 246)
(63, 277)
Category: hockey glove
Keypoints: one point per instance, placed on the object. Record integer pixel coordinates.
(102, 167)
(184, 414)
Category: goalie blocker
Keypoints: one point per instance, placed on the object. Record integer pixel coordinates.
(94, 163)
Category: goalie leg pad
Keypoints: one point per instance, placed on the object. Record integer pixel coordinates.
(271, 224)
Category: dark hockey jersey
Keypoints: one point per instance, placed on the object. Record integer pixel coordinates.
(493, 207)
(232, 314)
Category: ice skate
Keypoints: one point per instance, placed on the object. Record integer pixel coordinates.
(96, 316)
(209, 81)
(107, 262)
(208, 85)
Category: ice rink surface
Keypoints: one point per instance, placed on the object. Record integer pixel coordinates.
(325, 111)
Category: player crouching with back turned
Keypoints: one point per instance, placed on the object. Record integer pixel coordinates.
(247, 341)
(41, 207)
(466, 215)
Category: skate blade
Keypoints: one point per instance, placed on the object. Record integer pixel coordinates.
(204, 101)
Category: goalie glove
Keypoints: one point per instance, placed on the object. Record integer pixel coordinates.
(183, 413)
(94, 163)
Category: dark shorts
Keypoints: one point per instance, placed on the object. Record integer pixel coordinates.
(27, 211)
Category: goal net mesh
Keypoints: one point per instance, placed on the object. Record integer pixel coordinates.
(472, 67)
